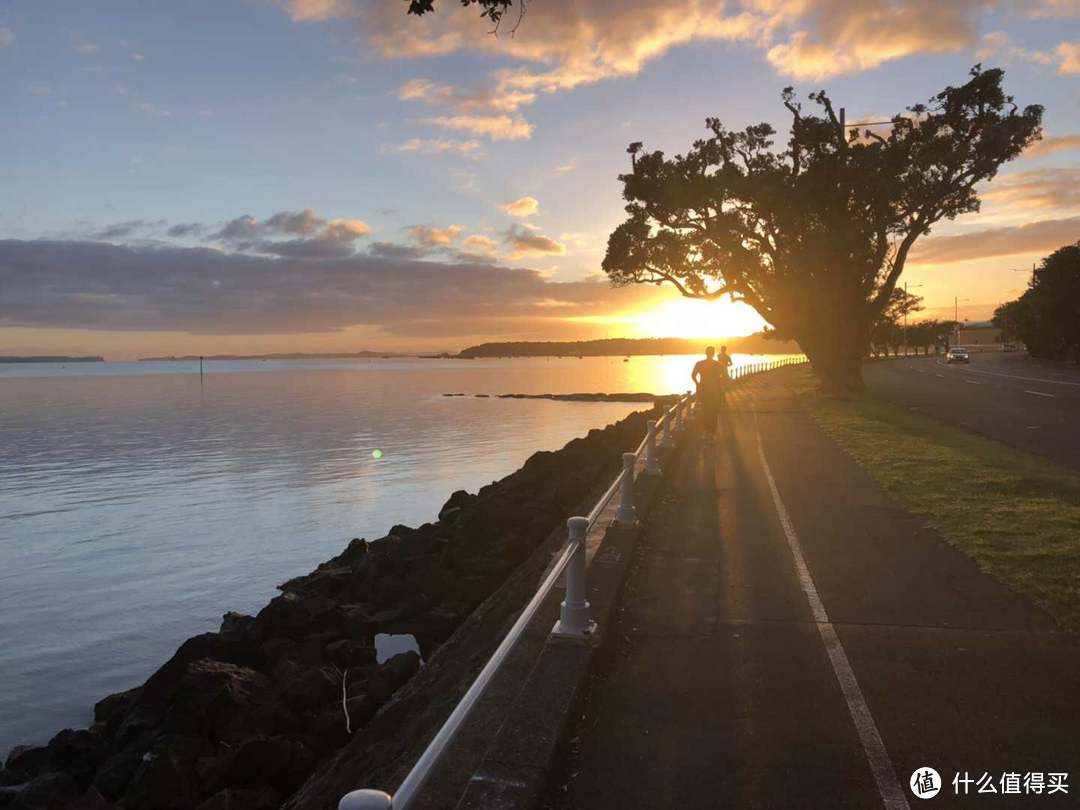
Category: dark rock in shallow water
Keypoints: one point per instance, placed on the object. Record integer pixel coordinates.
(48, 791)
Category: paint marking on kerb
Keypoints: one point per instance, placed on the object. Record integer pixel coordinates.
(873, 746)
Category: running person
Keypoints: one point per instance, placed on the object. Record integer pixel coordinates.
(710, 376)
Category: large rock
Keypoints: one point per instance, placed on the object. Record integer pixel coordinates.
(78, 754)
(48, 791)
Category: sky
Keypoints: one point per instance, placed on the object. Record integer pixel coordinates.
(247, 176)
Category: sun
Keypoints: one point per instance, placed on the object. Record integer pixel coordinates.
(694, 318)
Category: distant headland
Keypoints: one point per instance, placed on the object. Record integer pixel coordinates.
(289, 356)
(52, 359)
(628, 347)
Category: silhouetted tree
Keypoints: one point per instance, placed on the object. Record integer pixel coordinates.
(814, 237)
(1047, 315)
(492, 9)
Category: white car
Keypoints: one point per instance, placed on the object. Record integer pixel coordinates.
(958, 355)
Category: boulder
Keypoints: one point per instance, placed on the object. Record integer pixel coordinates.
(231, 799)
(91, 800)
(310, 688)
(399, 668)
(78, 753)
(28, 759)
(347, 653)
(47, 791)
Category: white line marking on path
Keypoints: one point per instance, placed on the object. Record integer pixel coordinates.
(873, 746)
(973, 382)
(940, 375)
(1040, 394)
(1010, 376)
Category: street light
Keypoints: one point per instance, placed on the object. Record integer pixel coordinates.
(914, 287)
(956, 316)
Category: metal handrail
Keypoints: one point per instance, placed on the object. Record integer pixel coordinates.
(418, 774)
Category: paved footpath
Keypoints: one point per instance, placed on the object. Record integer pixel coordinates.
(791, 638)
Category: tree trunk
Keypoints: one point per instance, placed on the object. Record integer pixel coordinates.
(837, 357)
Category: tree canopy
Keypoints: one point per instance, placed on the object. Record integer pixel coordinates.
(492, 9)
(1047, 316)
(815, 236)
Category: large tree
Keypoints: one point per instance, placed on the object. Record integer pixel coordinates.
(1047, 315)
(814, 237)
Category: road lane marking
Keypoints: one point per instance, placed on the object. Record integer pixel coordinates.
(873, 746)
(973, 382)
(940, 375)
(1013, 376)
(1040, 394)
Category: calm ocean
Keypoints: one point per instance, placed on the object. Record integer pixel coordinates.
(138, 503)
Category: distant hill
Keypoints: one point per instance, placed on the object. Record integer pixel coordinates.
(624, 347)
(52, 359)
(292, 356)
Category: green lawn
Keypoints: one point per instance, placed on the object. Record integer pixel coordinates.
(1018, 515)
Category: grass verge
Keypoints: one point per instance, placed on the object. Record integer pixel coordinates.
(1016, 514)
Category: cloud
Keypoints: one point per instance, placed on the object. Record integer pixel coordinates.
(1069, 54)
(186, 229)
(345, 230)
(833, 37)
(150, 108)
(1053, 143)
(1041, 188)
(302, 222)
(427, 235)
(439, 146)
(138, 57)
(121, 229)
(1043, 236)
(206, 113)
(241, 228)
(480, 244)
(496, 127)
(392, 250)
(523, 207)
(86, 48)
(7, 39)
(569, 166)
(96, 285)
(1042, 9)
(319, 10)
(525, 244)
(1065, 58)
(493, 99)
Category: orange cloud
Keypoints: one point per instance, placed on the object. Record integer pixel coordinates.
(523, 207)
(496, 127)
(1036, 237)
(428, 235)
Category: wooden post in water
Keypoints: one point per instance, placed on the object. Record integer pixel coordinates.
(200, 366)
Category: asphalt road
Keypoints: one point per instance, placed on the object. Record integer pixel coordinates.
(1007, 397)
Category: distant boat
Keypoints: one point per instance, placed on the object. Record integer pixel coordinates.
(386, 357)
(626, 359)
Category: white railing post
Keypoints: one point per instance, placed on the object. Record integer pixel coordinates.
(625, 515)
(652, 464)
(666, 440)
(677, 427)
(574, 621)
(366, 800)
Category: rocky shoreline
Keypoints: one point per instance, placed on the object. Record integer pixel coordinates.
(261, 713)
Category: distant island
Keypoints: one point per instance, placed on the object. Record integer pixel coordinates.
(292, 356)
(52, 359)
(627, 347)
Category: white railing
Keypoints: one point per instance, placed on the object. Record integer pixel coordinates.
(573, 623)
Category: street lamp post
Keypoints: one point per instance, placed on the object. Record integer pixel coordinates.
(956, 316)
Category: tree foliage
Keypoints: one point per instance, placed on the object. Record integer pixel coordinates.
(494, 10)
(814, 236)
(1047, 316)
